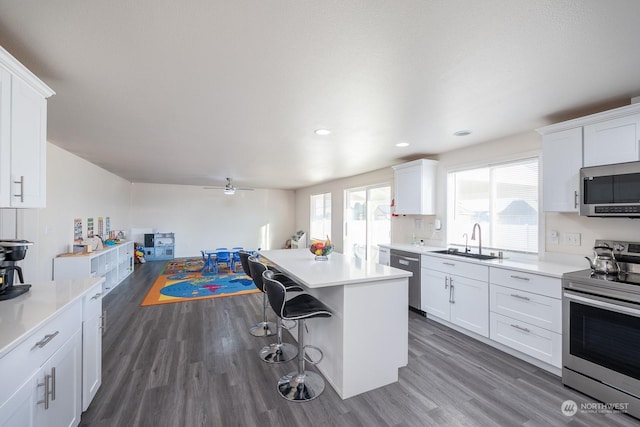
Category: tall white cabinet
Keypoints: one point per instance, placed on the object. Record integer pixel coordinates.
(23, 135)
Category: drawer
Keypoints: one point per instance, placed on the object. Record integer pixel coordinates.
(453, 266)
(21, 362)
(536, 283)
(92, 302)
(536, 342)
(538, 310)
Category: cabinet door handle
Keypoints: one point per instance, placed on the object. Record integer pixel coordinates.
(96, 296)
(521, 297)
(451, 296)
(47, 392)
(103, 323)
(575, 199)
(520, 328)
(520, 278)
(47, 338)
(53, 383)
(449, 264)
(21, 195)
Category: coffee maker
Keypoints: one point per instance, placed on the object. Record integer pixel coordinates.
(11, 252)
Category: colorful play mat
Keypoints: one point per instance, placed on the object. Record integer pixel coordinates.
(182, 280)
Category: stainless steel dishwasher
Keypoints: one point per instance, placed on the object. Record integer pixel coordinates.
(410, 262)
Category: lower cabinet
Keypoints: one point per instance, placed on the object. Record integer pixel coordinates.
(54, 373)
(516, 309)
(461, 299)
(526, 313)
(92, 326)
(51, 396)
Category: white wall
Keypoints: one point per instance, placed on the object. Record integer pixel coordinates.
(75, 189)
(203, 219)
(336, 188)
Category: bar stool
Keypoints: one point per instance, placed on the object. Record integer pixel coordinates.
(278, 352)
(300, 385)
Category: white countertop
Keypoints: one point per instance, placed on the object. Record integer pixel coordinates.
(337, 270)
(19, 316)
(532, 265)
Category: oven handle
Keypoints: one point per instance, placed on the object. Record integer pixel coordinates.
(602, 304)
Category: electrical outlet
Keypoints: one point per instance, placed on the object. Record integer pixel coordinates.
(554, 237)
(572, 239)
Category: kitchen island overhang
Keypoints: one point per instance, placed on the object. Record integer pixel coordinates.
(366, 340)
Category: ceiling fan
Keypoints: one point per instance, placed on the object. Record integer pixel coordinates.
(229, 189)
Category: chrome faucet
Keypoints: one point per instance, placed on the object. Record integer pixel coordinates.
(473, 237)
(466, 243)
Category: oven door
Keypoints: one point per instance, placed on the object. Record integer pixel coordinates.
(601, 339)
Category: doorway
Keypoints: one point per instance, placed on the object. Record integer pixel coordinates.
(367, 220)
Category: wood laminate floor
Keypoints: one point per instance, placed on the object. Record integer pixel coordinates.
(195, 364)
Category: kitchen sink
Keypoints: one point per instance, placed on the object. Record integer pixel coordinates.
(464, 254)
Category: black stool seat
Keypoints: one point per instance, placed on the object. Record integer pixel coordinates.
(300, 385)
(304, 306)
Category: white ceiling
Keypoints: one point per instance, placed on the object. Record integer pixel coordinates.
(190, 92)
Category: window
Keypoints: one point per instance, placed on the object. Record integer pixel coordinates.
(320, 216)
(502, 198)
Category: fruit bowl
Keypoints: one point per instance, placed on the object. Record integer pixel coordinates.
(321, 249)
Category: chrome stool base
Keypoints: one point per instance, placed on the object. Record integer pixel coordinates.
(301, 388)
(263, 329)
(278, 353)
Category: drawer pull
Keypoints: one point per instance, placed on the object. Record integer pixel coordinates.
(521, 328)
(521, 297)
(520, 278)
(47, 338)
(449, 264)
(96, 296)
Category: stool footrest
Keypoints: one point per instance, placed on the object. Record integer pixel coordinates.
(308, 359)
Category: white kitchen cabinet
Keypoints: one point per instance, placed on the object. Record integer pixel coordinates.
(114, 263)
(92, 324)
(457, 292)
(526, 313)
(42, 375)
(23, 135)
(384, 256)
(561, 163)
(415, 185)
(63, 373)
(612, 141)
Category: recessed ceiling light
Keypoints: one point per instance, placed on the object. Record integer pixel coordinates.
(462, 133)
(322, 132)
(402, 144)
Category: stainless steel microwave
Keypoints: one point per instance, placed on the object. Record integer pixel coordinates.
(610, 190)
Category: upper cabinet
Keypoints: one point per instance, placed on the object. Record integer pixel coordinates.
(415, 184)
(604, 138)
(561, 163)
(23, 135)
(612, 141)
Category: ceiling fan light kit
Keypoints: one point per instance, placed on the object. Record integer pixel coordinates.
(228, 189)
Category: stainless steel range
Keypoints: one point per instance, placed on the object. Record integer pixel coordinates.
(601, 329)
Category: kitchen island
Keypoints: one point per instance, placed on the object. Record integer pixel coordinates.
(365, 342)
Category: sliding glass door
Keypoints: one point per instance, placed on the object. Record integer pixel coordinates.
(367, 220)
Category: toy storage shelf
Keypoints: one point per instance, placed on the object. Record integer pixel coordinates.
(159, 246)
(114, 263)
